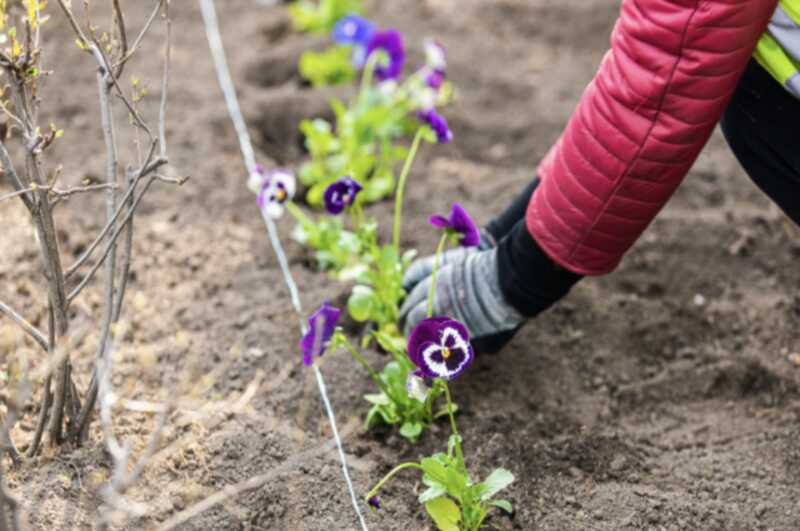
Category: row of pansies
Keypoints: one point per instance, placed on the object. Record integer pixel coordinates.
(352, 162)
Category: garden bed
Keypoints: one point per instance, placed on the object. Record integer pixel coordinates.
(658, 397)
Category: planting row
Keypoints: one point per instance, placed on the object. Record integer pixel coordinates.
(352, 163)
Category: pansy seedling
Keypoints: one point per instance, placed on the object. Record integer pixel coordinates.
(437, 123)
(459, 224)
(321, 327)
(440, 348)
(389, 43)
(274, 188)
(341, 195)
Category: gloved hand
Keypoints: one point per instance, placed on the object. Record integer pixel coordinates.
(468, 290)
(421, 268)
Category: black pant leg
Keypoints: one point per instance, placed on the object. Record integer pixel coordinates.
(762, 127)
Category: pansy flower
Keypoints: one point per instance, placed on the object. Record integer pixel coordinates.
(375, 503)
(341, 195)
(460, 224)
(440, 347)
(274, 189)
(321, 326)
(389, 43)
(357, 32)
(435, 55)
(434, 78)
(417, 387)
(437, 123)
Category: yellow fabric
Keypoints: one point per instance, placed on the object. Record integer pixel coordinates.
(771, 55)
(774, 59)
(791, 8)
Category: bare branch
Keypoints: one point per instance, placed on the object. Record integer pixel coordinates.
(74, 293)
(16, 181)
(119, 20)
(25, 325)
(162, 115)
(138, 41)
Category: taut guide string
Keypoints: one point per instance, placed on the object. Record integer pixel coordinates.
(229, 92)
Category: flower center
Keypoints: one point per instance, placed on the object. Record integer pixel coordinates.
(446, 353)
(281, 195)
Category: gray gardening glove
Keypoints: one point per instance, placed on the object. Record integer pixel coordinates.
(421, 268)
(467, 290)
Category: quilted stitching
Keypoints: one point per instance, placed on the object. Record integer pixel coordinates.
(640, 125)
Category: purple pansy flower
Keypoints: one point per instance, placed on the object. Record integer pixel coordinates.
(438, 124)
(321, 326)
(341, 195)
(459, 222)
(274, 189)
(353, 29)
(440, 347)
(389, 42)
(375, 503)
(434, 78)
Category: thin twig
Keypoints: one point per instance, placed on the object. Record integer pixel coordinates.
(29, 329)
(135, 46)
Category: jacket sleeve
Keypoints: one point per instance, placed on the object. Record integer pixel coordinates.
(640, 125)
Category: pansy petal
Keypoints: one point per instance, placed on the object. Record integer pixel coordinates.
(255, 181)
(389, 42)
(426, 331)
(461, 221)
(439, 222)
(321, 327)
(417, 388)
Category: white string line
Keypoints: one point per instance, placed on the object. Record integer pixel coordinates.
(229, 92)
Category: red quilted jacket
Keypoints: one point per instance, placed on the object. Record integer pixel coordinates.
(640, 125)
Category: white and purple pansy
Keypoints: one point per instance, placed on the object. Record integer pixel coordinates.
(440, 347)
(435, 55)
(274, 189)
(417, 387)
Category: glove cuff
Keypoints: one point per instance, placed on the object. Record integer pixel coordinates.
(529, 280)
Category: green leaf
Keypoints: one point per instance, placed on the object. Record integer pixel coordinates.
(445, 513)
(504, 505)
(391, 343)
(433, 492)
(445, 411)
(378, 399)
(362, 303)
(329, 67)
(411, 430)
(497, 481)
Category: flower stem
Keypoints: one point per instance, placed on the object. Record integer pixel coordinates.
(436, 259)
(390, 475)
(401, 184)
(298, 214)
(367, 75)
(361, 361)
(453, 427)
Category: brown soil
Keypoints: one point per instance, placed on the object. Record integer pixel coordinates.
(659, 397)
